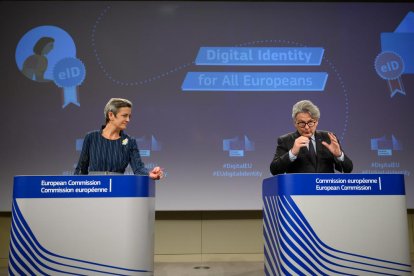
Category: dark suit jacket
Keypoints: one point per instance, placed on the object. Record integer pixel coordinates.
(326, 162)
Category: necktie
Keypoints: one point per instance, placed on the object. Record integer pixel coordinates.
(312, 152)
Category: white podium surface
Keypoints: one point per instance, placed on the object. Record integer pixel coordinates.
(335, 224)
(82, 225)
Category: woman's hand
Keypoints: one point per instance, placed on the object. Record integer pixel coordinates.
(156, 173)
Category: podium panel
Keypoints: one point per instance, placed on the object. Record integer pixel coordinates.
(335, 224)
(82, 225)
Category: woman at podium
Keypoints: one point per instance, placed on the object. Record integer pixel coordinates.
(110, 150)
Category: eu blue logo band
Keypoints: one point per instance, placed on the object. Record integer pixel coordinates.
(83, 186)
(337, 184)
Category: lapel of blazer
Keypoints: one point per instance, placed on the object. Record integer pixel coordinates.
(294, 136)
(318, 142)
(318, 146)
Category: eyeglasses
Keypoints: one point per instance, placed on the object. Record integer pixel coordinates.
(303, 124)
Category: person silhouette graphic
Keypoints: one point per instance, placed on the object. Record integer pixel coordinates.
(35, 65)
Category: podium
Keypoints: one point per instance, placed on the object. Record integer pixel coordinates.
(335, 224)
(82, 225)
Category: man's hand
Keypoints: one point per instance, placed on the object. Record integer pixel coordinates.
(300, 142)
(333, 147)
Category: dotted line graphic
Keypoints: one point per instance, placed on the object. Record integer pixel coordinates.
(181, 67)
(330, 64)
(108, 74)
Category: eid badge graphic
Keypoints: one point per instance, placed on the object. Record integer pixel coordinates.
(389, 66)
(397, 56)
(48, 54)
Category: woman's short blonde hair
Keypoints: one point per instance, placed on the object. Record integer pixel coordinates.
(114, 105)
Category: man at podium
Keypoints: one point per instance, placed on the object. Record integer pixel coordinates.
(307, 150)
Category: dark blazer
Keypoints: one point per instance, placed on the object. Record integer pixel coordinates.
(326, 162)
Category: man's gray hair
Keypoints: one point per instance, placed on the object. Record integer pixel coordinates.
(114, 105)
(306, 106)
